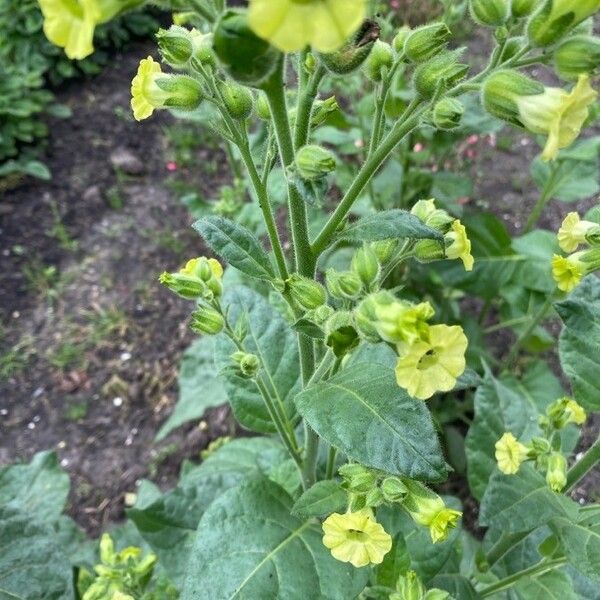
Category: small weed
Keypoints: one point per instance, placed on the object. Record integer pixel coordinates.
(76, 411)
(16, 359)
(60, 233)
(115, 198)
(105, 322)
(43, 279)
(67, 355)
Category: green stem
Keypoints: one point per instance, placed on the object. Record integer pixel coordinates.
(535, 321)
(303, 255)
(511, 580)
(506, 324)
(305, 105)
(409, 121)
(506, 542)
(543, 200)
(235, 166)
(587, 462)
(331, 455)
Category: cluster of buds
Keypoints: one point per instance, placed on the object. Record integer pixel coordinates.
(511, 453)
(410, 587)
(370, 488)
(568, 271)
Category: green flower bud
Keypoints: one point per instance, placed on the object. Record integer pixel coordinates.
(322, 109)
(343, 285)
(380, 58)
(490, 12)
(309, 294)
(374, 498)
(436, 218)
(365, 265)
(310, 63)
(512, 46)
(556, 18)
(320, 314)
(180, 91)
(203, 54)
(175, 46)
(314, 162)
(436, 594)
(539, 446)
(523, 8)
(426, 41)
(206, 319)
(443, 70)
(384, 250)
(351, 56)
(398, 321)
(358, 479)
(410, 587)
(341, 334)
(365, 315)
(577, 55)
(262, 107)
(249, 364)
(247, 58)
(400, 39)
(428, 250)
(238, 99)
(556, 475)
(393, 489)
(448, 113)
(186, 286)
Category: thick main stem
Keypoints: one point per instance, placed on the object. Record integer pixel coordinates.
(587, 462)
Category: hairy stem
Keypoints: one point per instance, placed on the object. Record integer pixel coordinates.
(305, 106)
(587, 462)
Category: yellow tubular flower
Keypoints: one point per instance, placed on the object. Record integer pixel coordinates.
(145, 94)
(70, 24)
(558, 114)
(291, 25)
(442, 523)
(567, 271)
(573, 232)
(429, 366)
(510, 453)
(574, 412)
(458, 245)
(356, 537)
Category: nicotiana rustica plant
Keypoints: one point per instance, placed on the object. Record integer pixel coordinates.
(318, 347)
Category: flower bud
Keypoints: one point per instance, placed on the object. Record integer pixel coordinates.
(365, 315)
(309, 294)
(310, 63)
(409, 587)
(341, 334)
(249, 364)
(556, 475)
(249, 59)
(357, 478)
(577, 55)
(490, 12)
(443, 70)
(320, 314)
(175, 45)
(238, 99)
(556, 18)
(539, 446)
(398, 321)
(426, 41)
(523, 8)
(448, 113)
(433, 217)
(351, 56)
(374, 498)
(203, 54)
(573, 232)
(523, 102)
(262, 107)
(183, 285)
(365, 265)
(393, 489)
(435, 594)
(512, 46)
(344, 285)
(565, 411)
(380, 58)
(384, 250)
(400, 39)
(206, 319)
(322, 109)
(314, 162)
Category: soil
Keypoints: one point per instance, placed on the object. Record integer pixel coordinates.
(90, 342)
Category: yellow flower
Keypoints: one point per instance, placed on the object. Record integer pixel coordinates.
(70, 24)
(433, 365)
(458, 245)
(203, 267)
(574, 412)
(556, 475)
(291, 25)
(402, 321)
(567, 271)
(145, 94)
(573, 232)
(510, 453)
(558, 114)
(356, 537)
(442, 523)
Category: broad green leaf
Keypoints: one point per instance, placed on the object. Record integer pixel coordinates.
(581, 543)
(199, 386)
(274, 342)
(322, 499)
(169, 523)
(364, 413)
(395, 562)
(580, 340)
(537, 248)
(235, 244)
(39, 489)
(249, 546)
(388, 224)
(566, 180)
(522, 502)
(32, 565)
(457, 585)
(554, 585)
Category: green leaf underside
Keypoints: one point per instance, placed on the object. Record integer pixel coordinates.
(237, 245)
(522, 502)
(581, 544)
(580, 340)
(272, 340)
(554, 585)
(169, 524)
(199, 386)
(364, 413)
(249, 546)
(388, 224)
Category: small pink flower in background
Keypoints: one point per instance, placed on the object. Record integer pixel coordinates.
(434, 169)
(472, 139)
(395, 4)
(471, 153)
(171, 166)
(359, 144)
(418, 147)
